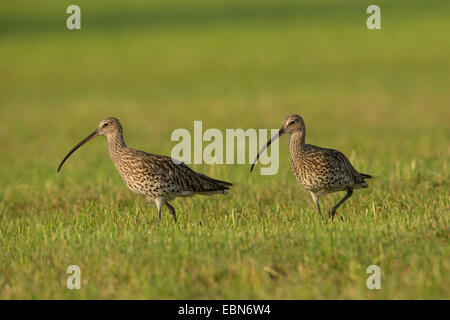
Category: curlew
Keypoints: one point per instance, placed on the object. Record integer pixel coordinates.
(318, 170)
(154, 177)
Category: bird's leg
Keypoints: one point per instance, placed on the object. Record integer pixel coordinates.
(316, 201)
(172, 211)
(159, 203)
(348, 195)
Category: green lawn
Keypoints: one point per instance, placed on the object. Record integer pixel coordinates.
(381, 97)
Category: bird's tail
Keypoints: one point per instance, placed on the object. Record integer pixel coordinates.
(214, 186)
(364, 176)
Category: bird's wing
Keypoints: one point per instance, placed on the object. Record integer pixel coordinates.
(179, 173)
(341, 162)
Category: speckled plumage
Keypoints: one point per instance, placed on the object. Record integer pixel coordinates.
(319, 170)
(154, 177)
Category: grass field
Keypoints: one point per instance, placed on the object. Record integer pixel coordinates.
(381, 97)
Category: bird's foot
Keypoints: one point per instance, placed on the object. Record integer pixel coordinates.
(321, 216)
(332, 213)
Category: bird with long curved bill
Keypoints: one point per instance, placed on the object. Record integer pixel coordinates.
(156, 178)
(318, 170)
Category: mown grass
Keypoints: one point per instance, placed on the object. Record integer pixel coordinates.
(381, 97)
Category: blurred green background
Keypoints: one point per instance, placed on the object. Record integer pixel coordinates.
(379, 96)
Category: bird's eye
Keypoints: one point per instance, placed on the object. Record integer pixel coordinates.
(291, 122)
(105, 124)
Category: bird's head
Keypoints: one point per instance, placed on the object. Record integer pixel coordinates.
(107, 127)
(292, 123)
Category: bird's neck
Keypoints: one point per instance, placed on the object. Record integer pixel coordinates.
(297, 141)
(115, 143)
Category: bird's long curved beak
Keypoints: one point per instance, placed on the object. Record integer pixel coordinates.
(275, 137)
(89, 137)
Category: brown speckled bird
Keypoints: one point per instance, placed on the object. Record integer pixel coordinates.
(156, 178)
(318, 170)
